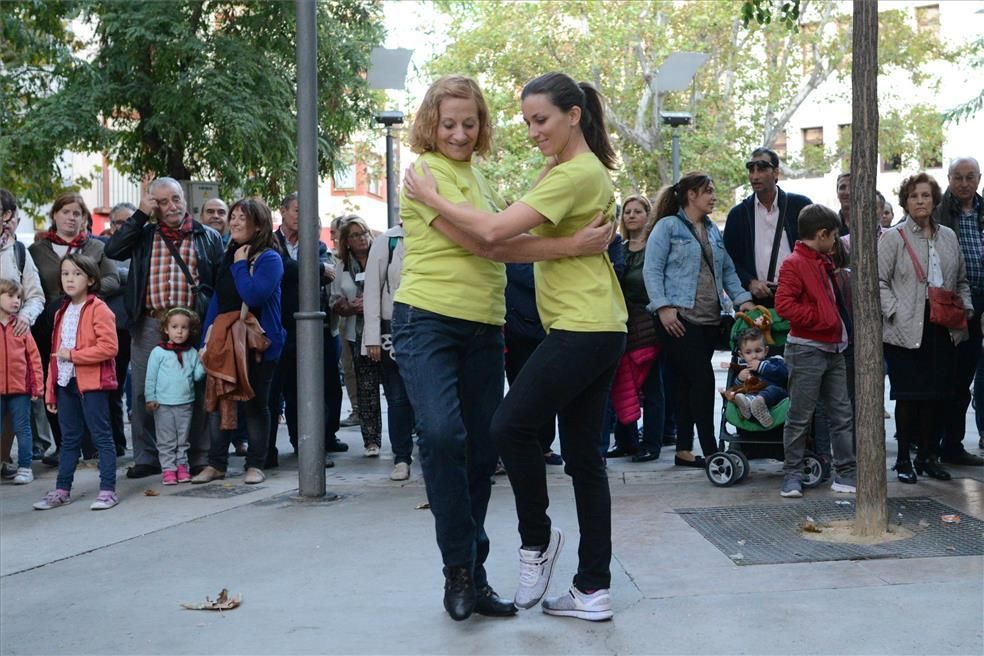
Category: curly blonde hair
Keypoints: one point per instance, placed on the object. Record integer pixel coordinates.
(194, 323)
(423, 133)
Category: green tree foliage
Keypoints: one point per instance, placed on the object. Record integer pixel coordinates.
(756, 78)
(201, 89)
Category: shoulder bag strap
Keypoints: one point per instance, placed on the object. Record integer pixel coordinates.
(180, 262)
(703, 253)
(777, 240)
(912, 254)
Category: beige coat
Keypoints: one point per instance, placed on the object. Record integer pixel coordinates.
(382, 281)
(903, 295)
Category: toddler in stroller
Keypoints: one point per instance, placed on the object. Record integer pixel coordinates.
(761, 379)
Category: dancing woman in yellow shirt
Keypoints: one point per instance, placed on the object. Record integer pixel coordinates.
(582, 309)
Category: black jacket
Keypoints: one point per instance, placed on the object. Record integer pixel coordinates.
(739, 231)
(290, 286)
(948, 212)
(135, 241)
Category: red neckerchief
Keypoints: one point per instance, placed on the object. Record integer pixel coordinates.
(178, 349)
(73, 245)
(176, 235)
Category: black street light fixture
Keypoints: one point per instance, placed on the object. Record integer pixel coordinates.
(390, 119)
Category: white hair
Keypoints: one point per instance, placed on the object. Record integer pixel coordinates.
(160, 182)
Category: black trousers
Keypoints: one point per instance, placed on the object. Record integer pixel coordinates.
(917, 422)
(518, 351)
(116, 396)
(569, 375)
(954, 419)
(690, 356)
(257, 411)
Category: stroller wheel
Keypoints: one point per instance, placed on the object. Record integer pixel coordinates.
(812, 470)
(741, 464)
(721, 470)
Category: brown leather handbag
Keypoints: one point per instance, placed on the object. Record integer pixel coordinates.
(946, 308)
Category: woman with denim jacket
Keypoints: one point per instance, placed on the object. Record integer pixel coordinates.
(685, 271)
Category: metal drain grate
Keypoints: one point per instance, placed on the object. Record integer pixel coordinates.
(763, 535)
(213, 491)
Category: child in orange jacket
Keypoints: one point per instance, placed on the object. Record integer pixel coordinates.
(21, 378)
(81, 373)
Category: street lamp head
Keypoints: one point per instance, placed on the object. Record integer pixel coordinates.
(675, 119)
(389, 118)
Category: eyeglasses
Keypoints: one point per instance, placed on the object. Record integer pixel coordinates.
(8, 216)
(358, 235)
(758, 165)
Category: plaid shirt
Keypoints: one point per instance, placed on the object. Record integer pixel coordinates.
(167, 284)
(972, 246)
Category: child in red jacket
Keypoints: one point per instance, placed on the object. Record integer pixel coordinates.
(809, 298)
(20, 379)
(81, 373)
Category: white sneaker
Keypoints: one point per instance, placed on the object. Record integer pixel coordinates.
(372, 451)
(401, 472)
(761, 412)
(23, 476)
(594, 607)
(744, 406)
(105, 500)
(535, 568)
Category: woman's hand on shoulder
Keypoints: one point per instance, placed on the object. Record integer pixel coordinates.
(421, 187)
(241, 253)
(594, 238)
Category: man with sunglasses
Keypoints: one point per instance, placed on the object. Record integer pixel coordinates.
(761, 231)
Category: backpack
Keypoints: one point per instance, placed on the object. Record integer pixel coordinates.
(20, 251)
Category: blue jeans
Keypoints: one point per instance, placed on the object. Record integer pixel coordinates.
(399, 414)
(453, 370)
(773, 395)
(76, 413)
(19, 407)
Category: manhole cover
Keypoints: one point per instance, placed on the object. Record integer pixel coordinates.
(763, 535)
(213, 491)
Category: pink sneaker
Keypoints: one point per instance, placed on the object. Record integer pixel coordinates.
(170, 477)
(184, 476)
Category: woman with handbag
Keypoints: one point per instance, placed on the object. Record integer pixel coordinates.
(925, 301)
(638, 374)
(686, 271)
(247, 287)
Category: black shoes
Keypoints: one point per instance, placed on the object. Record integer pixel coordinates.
(619, 452)
(337, 446)
(492, 605)
(698, 462)
(142, 471)
(329, 463)
(459, 593)
(50, 461)
(932, 469)
(904, 471)
(964, 458)
(645, 455)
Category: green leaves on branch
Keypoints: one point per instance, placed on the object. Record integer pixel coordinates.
(763, 11)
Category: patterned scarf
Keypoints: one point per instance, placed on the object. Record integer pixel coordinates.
(73, 245)
(178, 349)
(176, 235)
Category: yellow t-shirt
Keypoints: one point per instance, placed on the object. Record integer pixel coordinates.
(438, 275)
(580, 294)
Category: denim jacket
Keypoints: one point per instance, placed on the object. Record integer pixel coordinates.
(673, 265)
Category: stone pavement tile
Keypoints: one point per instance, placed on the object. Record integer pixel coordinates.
(928, 570)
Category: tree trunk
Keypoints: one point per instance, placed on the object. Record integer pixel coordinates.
(871, 518)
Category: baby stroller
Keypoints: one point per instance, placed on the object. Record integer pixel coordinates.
(751, 440)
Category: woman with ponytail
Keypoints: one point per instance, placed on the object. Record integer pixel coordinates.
(570, 374)
(686, 271)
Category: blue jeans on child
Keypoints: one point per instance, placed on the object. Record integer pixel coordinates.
(19, 407)
(773, 395)
(76, 413)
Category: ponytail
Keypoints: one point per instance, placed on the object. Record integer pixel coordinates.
(673, 198)
(565, 93)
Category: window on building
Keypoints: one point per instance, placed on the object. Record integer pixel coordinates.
(844, 146)
(375, 186)
(779, 145)
(928, 20)
(343, 177)
(891, 162)
(812, 136)
(814, 157)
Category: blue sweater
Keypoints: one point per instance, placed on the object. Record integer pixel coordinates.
(170, 383)
(259, 289)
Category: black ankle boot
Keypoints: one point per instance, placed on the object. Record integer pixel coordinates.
(903, 469)
(930, 467)
(459, 593)
(491, 604)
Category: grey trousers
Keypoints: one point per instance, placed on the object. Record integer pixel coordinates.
(143, 338)
(173, 423)
(816, 376)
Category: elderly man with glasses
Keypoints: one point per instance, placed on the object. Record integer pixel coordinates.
(762, 229)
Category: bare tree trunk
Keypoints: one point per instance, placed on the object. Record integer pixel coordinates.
(871, 518)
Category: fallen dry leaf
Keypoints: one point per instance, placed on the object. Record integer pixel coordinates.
(810, 527)
(224, 602)
(951, 519)
(422, 506)
(151, 493)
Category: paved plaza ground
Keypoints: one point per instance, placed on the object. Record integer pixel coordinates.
(361, 575)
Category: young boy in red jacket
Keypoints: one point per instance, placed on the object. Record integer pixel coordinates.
(810, 300)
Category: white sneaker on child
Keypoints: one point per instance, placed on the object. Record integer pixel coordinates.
(744, 406)
(23, 476)
(761, 412)
(106, 500)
